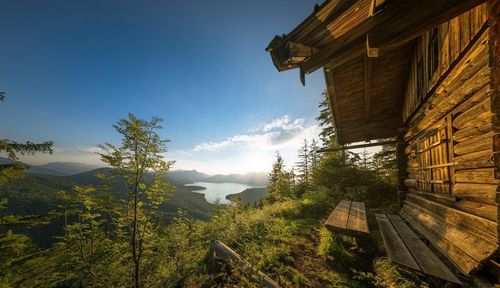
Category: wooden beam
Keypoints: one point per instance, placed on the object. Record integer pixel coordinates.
(374, 122)
(223, 252)
(403, 21)
(368, 84)
(341, 148)
(354, 51)
(402, 165)
(394, 25)
(332, 99)
(370, 51)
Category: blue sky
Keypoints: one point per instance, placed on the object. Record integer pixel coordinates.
(71, 69)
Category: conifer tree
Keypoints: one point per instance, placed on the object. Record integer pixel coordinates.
(279, 180)
(303, 166)
(365, 159)
(313, 154)
(325, 119)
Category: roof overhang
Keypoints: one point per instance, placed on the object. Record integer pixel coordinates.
(355, 41)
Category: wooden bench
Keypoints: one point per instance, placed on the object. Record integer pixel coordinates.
(348, 217)
(222, 254)
(406, 248)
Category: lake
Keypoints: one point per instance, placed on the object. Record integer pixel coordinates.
(217, 192)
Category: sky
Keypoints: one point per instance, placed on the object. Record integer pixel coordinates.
(71, 69)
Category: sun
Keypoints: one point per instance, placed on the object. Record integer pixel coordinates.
(255, 162)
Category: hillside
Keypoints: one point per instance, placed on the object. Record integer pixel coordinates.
(68, 168)
(38, 195)
(249, 196)
(32, 169)
(252, 178)
(84, 174)
(193, 203)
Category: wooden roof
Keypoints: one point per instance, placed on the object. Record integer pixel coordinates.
(365, 94)
(365, 47)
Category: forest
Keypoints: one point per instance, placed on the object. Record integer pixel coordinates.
(112, 240)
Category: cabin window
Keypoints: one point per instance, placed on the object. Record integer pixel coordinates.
(434, 161)
(433, 53)
(420, 79)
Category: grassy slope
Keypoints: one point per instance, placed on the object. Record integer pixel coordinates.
(287, 240)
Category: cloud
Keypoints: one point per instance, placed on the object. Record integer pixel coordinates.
(276, 123)
(253, 150)
(270, 135)
(87, 149)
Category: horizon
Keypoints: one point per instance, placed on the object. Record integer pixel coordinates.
(73, 69)
(99, 167)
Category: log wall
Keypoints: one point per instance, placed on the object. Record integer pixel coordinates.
(494, 22)
(452, 137)
(454, 37)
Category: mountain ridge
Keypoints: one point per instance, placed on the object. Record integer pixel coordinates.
(178, 176)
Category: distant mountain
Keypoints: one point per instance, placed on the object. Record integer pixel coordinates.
(89, 178)
(252, 178)
(186, 176)
(249, 196)
(69, 168)
(32, 169)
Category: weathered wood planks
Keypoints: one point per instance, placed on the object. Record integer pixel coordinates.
(340, 215)
(463, 238)
(404, 247)
(357, 218)
(348, 216)
(395, 247)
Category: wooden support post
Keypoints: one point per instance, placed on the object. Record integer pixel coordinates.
(494, 49)
(371, 144)
(402, 161)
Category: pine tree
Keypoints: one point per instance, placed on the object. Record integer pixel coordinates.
(325, 119)
(384, 161)
(313, 154)
(279, 180)
(365, 159)
(303, 166)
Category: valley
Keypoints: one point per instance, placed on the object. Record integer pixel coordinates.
(38, 194)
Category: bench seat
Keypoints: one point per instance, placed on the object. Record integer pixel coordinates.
(349, 217)
(404, 247)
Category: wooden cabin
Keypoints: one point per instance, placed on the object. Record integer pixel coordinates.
(426, 73)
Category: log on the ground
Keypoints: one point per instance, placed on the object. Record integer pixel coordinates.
(223, 253)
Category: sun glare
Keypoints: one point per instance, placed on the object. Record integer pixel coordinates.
(256, 161)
